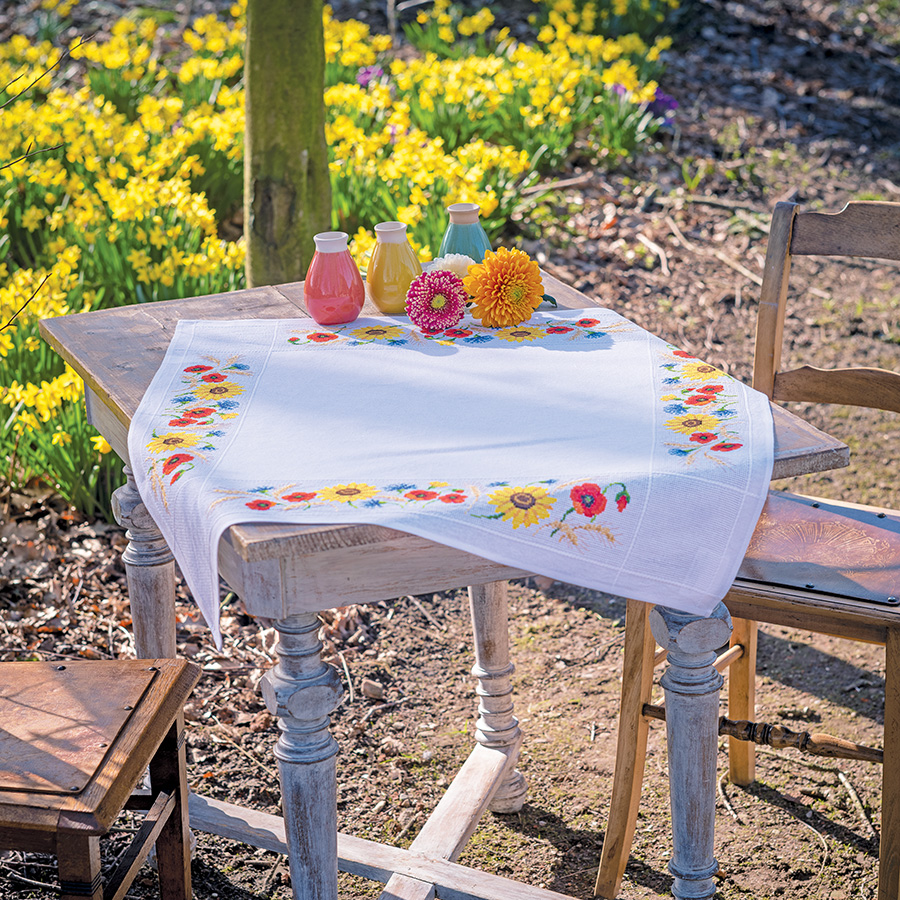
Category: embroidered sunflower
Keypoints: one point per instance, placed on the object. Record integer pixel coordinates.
(520, 333)
(166, 443)
(218, 391)
(347, 493)
(522, 506)
(378, 333)
(701, 371)
(506, 288)
(692, 423)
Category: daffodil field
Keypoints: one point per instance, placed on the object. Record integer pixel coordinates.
(121, 164)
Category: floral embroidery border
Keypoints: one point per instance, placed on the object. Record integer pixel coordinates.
(519, 505)
(398, 335)
(200, 413)
(701, 407)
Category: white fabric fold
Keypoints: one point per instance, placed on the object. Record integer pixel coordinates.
(577, 446)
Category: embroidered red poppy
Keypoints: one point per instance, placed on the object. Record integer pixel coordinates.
(174, 461)
(180, 423)
(711, 389)
(683, 354)
(588, 499)
(587, 323)
(195, 369)
(213, 378)
(457, 332)
(561, 329)
(725, 445)
(453, 498)
(260, 504)
(199, 412)
(420, 495)
(298, 497)
(703, 437)
(320, 337)
(699, 399)
(622, 502)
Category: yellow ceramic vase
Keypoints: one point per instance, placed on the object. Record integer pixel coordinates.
(392, 268)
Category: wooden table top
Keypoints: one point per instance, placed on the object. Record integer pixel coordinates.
(117, 353)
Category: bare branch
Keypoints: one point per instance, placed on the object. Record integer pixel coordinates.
(64, 55)
(21, 309)
(28, 154)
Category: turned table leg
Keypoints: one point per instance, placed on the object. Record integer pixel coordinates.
(150, 570)
(692, 688)
(303, 691)
(496, 727)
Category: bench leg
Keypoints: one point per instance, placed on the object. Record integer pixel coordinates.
(78, 857)
(173, 846)
(302, 692)
(496, 725)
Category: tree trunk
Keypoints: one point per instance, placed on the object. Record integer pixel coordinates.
(287, 193)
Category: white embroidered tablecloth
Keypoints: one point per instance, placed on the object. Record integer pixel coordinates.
(576, 446)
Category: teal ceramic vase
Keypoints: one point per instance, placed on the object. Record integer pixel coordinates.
(464, 234)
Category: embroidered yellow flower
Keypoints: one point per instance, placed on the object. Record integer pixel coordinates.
(163, 443)
(691, 423)
(218, 390)
(347, 493)
(701, 371)
(506, 288)
(520, 333)
(522, 506)
(378, 333)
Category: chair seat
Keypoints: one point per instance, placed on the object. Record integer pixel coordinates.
(811, 544)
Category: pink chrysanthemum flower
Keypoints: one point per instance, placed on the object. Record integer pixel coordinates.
(436, 300)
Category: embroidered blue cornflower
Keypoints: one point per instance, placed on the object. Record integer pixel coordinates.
(671, 380)
(214, 433)
(723, 413)
(498, 484)
(397, 342)
(373, 503)
(675, 409)
(676, 451)
(187, 398)
(239, 366)
(594, 334)
(228, 404)
(399, 487)
(261, 490)
(478, 339)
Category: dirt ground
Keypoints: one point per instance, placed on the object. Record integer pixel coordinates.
(777, 100)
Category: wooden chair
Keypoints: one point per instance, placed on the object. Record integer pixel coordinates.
(75, 740)
(824, 566)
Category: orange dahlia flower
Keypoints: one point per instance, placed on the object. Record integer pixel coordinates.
(506, 288)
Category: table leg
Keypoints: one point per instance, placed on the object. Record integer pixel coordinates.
(150, 570)
(302, 691)
(692, 717)
(496, 725)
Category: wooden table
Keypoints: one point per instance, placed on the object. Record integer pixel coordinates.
(290, 573)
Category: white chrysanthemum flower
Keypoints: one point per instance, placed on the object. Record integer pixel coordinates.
(457, 263)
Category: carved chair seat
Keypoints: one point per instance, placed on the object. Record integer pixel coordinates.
(75, 740)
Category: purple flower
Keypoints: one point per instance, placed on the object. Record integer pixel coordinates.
(367, 74)
(663, 105)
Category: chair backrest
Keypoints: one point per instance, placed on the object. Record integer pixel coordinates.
(860, 229)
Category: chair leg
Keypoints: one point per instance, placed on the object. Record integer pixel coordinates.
(78, 857)
(173, 846)
(631, 749)
(496, 726)
(889, 855)
(742, 702)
